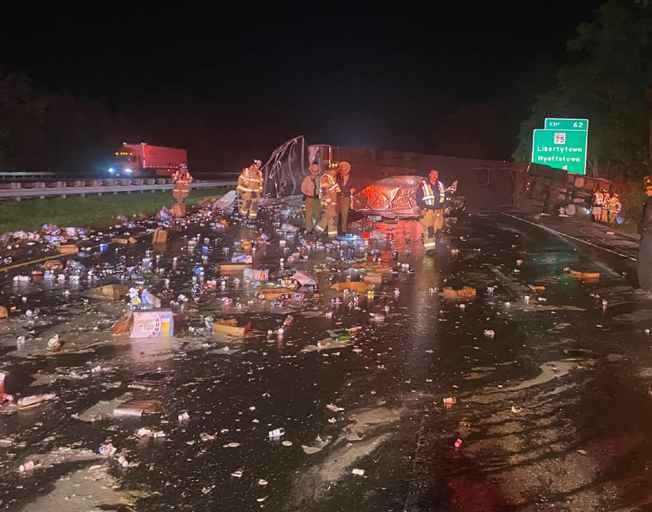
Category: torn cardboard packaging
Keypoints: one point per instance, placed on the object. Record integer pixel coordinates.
(230, 327)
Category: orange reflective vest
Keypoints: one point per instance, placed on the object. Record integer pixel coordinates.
(598, 198)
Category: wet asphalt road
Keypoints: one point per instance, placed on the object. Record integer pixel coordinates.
(553, 412)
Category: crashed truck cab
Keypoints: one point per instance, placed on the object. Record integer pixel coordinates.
(555, 191)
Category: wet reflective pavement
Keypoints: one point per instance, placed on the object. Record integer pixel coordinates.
(552, 412)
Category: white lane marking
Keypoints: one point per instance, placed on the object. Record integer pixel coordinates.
(570, 236)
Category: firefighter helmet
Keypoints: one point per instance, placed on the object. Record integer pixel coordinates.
(648, 182)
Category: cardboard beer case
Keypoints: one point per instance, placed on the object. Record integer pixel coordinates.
(153, 324)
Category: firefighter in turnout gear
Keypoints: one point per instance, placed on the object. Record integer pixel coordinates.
(182, 181)
(614, 208)
(310, 189)
(250, 186)
(344, 196)
(645, 247)
(605, 206)
(329, 189)
(430, 200)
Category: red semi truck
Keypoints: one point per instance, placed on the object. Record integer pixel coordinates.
(143, 160)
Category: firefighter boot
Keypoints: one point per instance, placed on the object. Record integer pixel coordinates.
(429, 240)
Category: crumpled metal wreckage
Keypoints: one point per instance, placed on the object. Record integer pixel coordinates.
(396, 197)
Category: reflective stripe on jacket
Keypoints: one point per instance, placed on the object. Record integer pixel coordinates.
(597, 199)
(429, 195)
(328, 189)
(614, 205)
(250, 181)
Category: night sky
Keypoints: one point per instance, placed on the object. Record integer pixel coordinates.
(382, 78)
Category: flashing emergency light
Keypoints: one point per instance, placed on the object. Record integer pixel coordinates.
(111, 170)
(128, 171)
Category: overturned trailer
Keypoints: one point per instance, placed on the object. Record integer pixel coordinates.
(285, 170)
(484, 185)
(554, 191)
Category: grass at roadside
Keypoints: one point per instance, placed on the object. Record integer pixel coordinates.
(628, 227)
(75, 211)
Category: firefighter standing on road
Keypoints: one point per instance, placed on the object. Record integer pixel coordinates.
(328, 193)
(605, 206)
(598, 198)
(182, 180)
(344, 196)
(430, 200)
(614, 208)
(645, 246)
(250, 186)
(310, 190)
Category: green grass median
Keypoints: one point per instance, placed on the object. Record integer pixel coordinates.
(90, 211)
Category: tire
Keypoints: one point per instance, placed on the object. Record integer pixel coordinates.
(571, 210)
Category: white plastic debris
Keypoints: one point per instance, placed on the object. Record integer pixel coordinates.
(276, 433)
(142, 432)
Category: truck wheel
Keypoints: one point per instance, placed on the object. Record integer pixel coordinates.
(570, 210)
(580, 182)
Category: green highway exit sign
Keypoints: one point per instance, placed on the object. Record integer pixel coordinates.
(561, 148)
(566, 124)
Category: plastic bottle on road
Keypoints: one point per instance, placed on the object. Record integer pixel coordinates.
(28, 466)
(108, 450)
(35, 399)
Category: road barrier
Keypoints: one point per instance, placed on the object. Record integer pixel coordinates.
(43, 189)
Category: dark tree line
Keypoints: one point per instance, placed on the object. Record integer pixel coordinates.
(48, 131)
(42, 131)
(610, 83)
